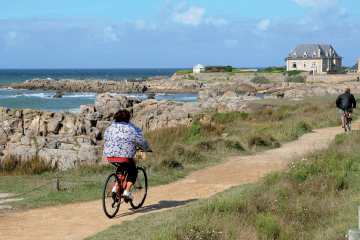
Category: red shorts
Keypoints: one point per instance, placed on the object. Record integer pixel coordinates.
(119, 159)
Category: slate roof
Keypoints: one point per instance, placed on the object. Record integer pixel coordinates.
(354, 68)
(198, 66)
(311, 48)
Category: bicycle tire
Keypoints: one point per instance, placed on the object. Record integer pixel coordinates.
(111, 203)
(139, 189)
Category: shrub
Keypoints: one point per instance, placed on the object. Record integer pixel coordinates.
(234, 145)
(260, 80)
(297, 79)
(191, 77)
(30, 166)
(294, 72)
(228, 68)
(225, 118)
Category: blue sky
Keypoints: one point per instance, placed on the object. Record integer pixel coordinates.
(172, 33)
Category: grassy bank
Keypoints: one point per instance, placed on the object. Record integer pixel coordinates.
(315, 197)
(180, 150)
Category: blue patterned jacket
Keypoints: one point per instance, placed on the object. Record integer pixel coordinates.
(121, 140)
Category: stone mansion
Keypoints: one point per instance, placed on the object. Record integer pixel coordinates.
(315, 58)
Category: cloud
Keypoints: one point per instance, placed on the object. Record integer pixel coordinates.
(193, 16)
(231, 42)
(263, 24)
(215, 21)
(109, 35)
(315, 3)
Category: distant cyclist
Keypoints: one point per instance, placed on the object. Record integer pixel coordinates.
(121, 139)
(345, 102)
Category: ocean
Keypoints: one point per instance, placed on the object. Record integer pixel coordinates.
(42, 100)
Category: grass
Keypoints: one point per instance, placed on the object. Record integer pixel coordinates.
(181, 150)
(184, 71)
(315, 197)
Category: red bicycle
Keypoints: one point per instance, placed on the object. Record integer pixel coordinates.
(111, 200)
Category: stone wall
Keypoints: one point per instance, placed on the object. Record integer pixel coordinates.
(273, 77)
(331, 78)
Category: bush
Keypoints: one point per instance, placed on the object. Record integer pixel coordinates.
(191, 77)
(294, 72)
(218, 68)
(297, 79)
(228, 68)
(260, 80)
(224, 118)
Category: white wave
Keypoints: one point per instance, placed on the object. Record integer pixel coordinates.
(39, 95)
(6, 89)
(73, 110)
(81, 95)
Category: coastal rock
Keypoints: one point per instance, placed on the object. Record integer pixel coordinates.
(58, 94)
(64, 159)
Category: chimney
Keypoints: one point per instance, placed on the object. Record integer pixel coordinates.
(330, 52)
(319, 52)
(359, 65)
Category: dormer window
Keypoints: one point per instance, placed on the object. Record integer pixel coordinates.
(294, 56)
(305, 56)
(314, 55)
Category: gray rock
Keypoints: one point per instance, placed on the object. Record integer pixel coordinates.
(58, 94)
(90, 155)
(65, 159)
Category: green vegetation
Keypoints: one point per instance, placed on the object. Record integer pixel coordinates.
(218, 68)
(344, 69)
(15, 110)
(184, 71)
(314, 197)
(293, 72)
(260, 80)
(297, 79)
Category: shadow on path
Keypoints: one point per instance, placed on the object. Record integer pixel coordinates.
(154, 207)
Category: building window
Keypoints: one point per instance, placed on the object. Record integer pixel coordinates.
(294, 56)
(314, 55)
(313, 65)
(305, 56)
(304, 64)
(294, 65)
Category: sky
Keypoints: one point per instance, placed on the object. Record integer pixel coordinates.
(171, 33)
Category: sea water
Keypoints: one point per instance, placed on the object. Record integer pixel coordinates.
(43, 100)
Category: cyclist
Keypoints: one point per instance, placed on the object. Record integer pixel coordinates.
(345, 101)
(121, 139)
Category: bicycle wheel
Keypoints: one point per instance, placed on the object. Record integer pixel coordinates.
(139, 189)
(110, 202)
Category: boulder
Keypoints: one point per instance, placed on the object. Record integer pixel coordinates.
(58, 94)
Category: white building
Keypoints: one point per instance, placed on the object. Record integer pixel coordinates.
(198, 68)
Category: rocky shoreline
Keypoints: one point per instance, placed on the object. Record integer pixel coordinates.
(175, 85)
(70, 140)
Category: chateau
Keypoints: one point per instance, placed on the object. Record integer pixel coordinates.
(315, 58)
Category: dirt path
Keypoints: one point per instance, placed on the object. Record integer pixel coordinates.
(78, 221)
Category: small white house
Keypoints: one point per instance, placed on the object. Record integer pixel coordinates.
(198, 68)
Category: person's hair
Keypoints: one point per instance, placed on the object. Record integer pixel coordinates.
(347, 90)
(122, 116)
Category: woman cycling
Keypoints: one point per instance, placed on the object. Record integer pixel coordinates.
(121, 139)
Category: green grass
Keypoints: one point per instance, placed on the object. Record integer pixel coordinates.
(184, 71)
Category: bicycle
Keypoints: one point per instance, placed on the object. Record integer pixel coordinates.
(347, 121)
(111, 200)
